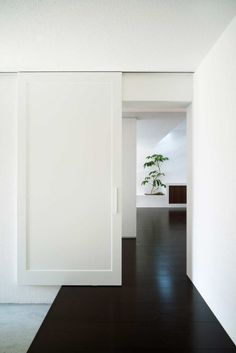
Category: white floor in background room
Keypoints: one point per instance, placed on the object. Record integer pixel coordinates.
(19, 324)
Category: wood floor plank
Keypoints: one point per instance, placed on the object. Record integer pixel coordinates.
(157, 309)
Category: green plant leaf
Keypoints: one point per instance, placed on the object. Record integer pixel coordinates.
(154, 175)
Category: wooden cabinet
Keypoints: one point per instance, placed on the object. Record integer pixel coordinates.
(177, 194)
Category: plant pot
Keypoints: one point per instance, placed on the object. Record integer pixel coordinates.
(155, 194)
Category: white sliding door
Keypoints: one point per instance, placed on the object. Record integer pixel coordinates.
(69, 176)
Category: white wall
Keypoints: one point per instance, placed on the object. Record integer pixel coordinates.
(9, 290)
(213, 264)
(167, 136)
(174, 145)
(189, 122)
(106, 35)
(162, 88)
(129, 177)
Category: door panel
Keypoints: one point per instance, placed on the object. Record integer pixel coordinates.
(69, 225)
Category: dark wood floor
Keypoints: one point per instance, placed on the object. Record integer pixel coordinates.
(156, 310)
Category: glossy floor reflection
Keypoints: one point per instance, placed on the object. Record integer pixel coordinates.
(156, 310)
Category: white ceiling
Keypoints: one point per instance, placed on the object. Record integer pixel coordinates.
(110, 35)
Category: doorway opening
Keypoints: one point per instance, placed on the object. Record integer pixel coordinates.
(157, 119)
(154, 129)
(159, 221)
(161, 162)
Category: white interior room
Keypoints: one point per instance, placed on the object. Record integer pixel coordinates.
(132, 78)
(160, 132)
(167, 136)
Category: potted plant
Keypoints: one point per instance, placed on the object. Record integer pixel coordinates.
(154, 175)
